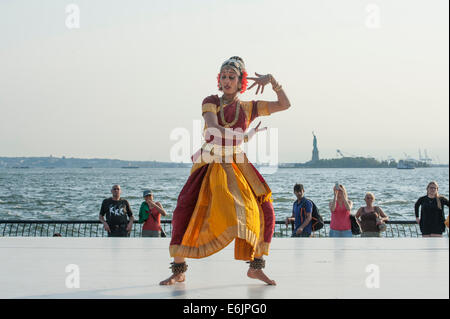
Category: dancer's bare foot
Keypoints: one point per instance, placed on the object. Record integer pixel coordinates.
(259, 274)
(173, 279)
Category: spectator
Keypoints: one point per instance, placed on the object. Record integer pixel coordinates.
(301, 213)
(371, 217)
(340, 207)
(432, 216)
(116, 210)
(150, 214)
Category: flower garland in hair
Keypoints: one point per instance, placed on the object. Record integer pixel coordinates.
(218, 82)
(244, 82)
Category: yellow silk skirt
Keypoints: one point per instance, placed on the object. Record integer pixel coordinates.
(228, 207)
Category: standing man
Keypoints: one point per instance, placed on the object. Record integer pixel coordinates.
(116, 210)
(301, 213)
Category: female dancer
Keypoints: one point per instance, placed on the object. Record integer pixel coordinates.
(225, 198)
(432, 216)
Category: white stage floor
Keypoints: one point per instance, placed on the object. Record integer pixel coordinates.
(310, 268)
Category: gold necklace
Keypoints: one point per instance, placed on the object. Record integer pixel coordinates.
(236, 114)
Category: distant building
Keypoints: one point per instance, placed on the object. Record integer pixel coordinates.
(315, 152)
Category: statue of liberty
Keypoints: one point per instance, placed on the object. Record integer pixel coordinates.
(315, 152)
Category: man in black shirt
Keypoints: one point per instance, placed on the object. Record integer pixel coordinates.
(116, 210)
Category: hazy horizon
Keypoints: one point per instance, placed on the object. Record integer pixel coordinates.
(370, 78)
(150, 160)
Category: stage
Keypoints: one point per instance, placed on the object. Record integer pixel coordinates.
(304, 268)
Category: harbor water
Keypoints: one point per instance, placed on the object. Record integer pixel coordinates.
(77, 193)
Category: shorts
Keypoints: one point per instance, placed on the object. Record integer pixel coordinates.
(341, 233)
(303, 234)
(151, 233)
(118, 231)
(371, 234)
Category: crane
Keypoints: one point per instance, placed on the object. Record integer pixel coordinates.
(426, 159)
(339, 152)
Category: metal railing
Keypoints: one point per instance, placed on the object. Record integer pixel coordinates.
(93, 228)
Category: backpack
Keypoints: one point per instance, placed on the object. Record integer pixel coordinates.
(356, 227)
(317, 220)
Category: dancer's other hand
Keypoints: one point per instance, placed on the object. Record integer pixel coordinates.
(255, 130)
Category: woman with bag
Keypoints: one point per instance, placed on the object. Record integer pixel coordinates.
(340, 207)
(371, 218)
(150, 214)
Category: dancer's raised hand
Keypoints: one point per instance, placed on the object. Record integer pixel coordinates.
(260, 80)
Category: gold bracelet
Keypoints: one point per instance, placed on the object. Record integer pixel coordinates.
(277, 88)
(275, 85)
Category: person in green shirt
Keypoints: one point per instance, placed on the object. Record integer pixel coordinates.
(150, 215)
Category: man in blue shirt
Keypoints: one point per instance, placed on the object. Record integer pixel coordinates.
(301, 213)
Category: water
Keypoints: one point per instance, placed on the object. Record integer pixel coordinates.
(61, 194)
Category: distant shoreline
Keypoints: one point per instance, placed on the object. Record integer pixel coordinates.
(63, 162)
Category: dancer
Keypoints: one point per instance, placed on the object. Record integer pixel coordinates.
(225, 198)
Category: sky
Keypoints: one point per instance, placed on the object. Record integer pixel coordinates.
(115, 79)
